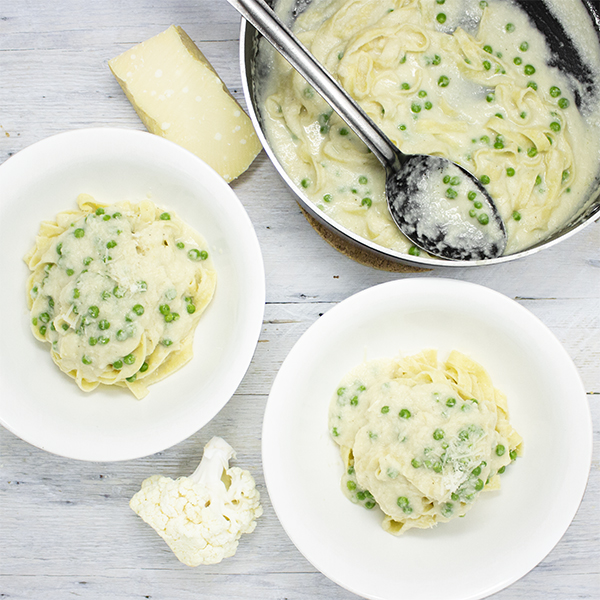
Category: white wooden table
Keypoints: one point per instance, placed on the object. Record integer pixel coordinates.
(65, 526)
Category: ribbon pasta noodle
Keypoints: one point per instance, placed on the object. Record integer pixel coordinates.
(421, 439)
(485, 98)
(117, 291)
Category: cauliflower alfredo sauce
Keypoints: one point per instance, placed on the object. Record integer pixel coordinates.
(421, 439)
(468, 80)
(202, 517)
(117, 291)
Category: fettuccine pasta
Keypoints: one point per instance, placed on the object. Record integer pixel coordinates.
(463, 79)
(421, 439)
(117, 291)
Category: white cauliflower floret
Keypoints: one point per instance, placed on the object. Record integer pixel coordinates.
(203, 516)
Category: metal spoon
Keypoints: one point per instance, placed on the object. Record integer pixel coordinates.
(438, 205)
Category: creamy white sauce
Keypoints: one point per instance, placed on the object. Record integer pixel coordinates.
(415, 443)
(458, 88)
(117, 291)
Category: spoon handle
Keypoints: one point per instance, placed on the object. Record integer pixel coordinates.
(260, 15)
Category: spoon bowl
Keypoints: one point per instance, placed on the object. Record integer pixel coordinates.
(428, 197)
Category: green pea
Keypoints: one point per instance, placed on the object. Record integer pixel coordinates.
(354, 401)
(404, 504)
(532, 152)
(490, 98)
(65, 326)
(487, 65)
(428, 105)
(122, 335)
(563, 103)
(513, 455)
(440, 1)
(523, 115)
(415, 107)
(516, 215)
(510, 172)
(517, 60)
(446, 179)
(438, 434)
(484, 179)
(450, 193)
(529, 70)
(555, 126)
(524, 47)
(501, 469)
(485, 139)
(415, 463)
(451, 402)
(43, 330)
(351, 485)
(118, 364)
(443, 81)
(436, 60)
(483, 4)
(118, 292)
(500, 449)
(479, 485)
(132, 378)
(106, 218)
(437, 467)
(488, 49)
(305, 183)
(414, 251)
(476, 472)
(370, 504)
(441, 18)
(70, 272)
(532, 85)
(483, 219)
(103, 340)
(334, 430)
(191, 309)
(79, 233)
(138, 309)
(366, 202)
(165, 216)
(93, 311)
(472, 195)
(538, 180)
(344, 131)
(86, 360)
(498, 144)
(103, 324)
(92, 341)
(111, 244)
(327, 198)
(404, 413)
(555, 91)
(129, 359)
(510, 27)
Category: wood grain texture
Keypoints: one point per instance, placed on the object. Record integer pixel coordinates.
(65, 526)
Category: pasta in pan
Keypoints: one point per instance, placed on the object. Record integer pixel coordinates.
(466, 80)
(117, 291)
(421, 439)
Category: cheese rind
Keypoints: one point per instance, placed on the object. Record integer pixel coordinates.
(179, 96)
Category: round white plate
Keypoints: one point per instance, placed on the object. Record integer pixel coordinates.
(507, 532)
(45, 407)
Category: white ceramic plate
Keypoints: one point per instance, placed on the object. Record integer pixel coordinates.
(507, 532)
(45, 407)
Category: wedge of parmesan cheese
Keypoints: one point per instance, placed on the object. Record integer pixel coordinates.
(179, 96)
